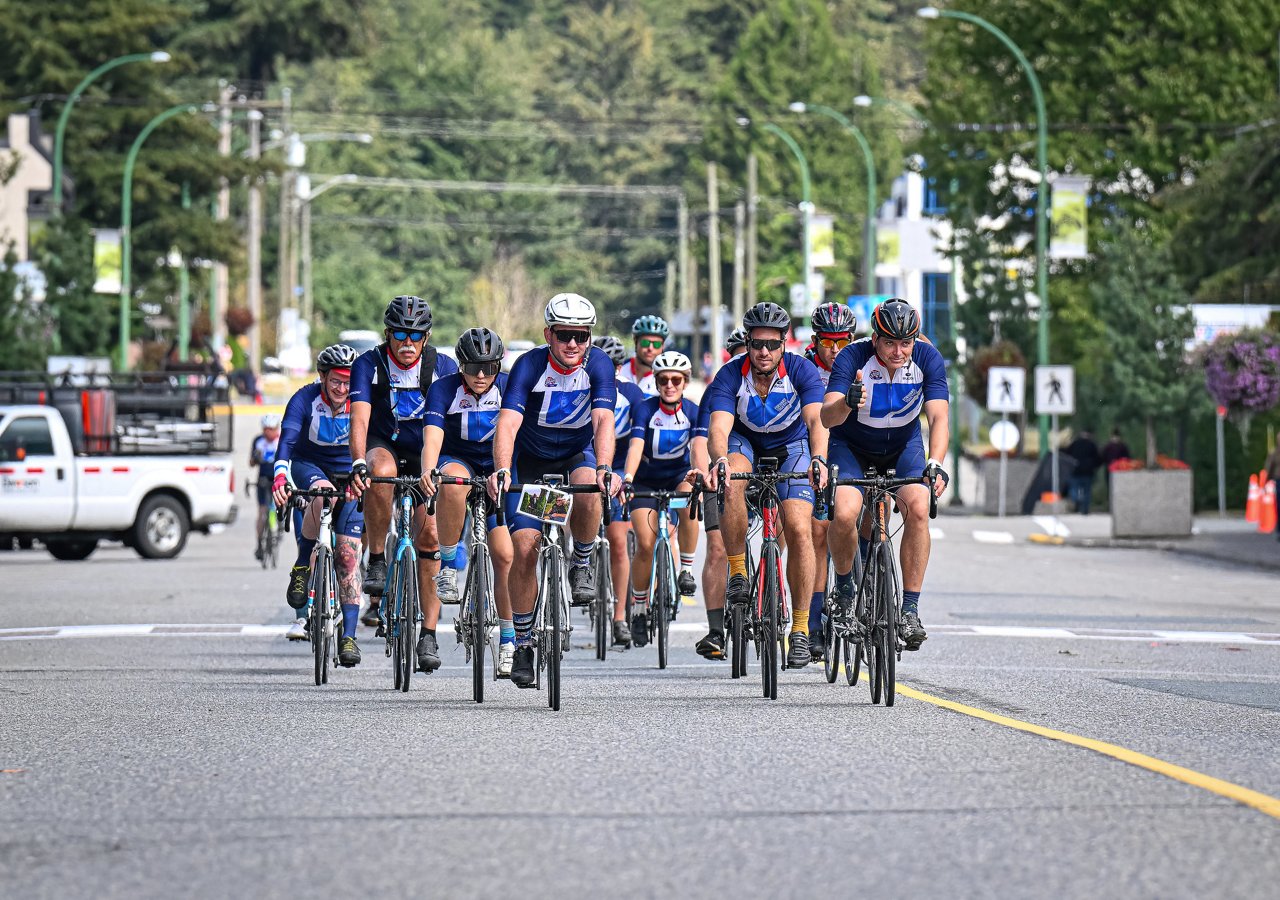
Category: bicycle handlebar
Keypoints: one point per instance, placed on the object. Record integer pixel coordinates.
(884, 483)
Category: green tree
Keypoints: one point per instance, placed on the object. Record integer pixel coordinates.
(23, 329)
(85, 322)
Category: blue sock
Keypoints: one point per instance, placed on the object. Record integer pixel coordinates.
(844, 583)
(460, 561)
(911, 602)
(582, 552)
(301, 614)
(815, 612)
(506, 631)
(350, 616)
(523, 623)
(305, 548)
(447, 554)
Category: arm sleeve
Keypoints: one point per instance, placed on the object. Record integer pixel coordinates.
(292, 425)
(604, 392)
(935, 376)
(721, 393)
(438, 396)
(362, 378)
(520, 382)
(698, 419)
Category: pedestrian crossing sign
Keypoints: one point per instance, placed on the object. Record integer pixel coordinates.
(1055, 390)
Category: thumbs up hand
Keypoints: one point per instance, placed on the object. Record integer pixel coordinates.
(856, 396)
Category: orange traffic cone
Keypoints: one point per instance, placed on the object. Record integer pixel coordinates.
(1267, 510)
(1255, 499)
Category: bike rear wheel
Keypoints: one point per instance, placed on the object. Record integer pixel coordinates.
(831, 642)
(737, 631)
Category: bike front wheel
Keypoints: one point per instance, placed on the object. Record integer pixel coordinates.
(321, 585)
(406, 617)
(770, 624)
(664, 590)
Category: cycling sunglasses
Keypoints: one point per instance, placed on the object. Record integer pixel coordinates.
(488, 369)
(666, 380)
(650, 343)
(833, 343)
(581, 338)
(414, 336)
(770, 344)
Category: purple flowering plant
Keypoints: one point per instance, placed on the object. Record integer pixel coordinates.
(1242, 372)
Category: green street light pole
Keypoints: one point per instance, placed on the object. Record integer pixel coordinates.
(159, 56)
(1042, 190)
(806, 203)
(126, 224)
(869, 232)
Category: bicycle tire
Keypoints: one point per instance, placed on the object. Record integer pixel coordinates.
(477, 599)
(262, 547)
(890, 592)
(771, 639)
(273, 539)
(319, 594)
(876, 642)
(660, 600)
(852, 660)
(601, 607)
(407, 616)
(737, 642)
(831, 642)
(390, 608)
(554, 639)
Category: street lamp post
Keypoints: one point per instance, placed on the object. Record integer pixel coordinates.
(869, 232)
(126, 225)
(158, 56)
(1042, 190)
(305, 195)
(806, 202)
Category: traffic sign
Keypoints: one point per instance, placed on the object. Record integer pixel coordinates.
(1004, 435)
(1006, 389)
(1055, 390)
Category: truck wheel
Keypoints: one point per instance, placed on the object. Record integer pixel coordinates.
(71, 548)
(161, 529)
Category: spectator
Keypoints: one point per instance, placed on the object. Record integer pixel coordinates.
(1114, 449)
(1084, 450)
(706, 366)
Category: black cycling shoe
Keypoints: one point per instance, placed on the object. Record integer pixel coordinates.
(296, 595)
(817, 647)
(375, 578)
(582, 585)
(348, 653)
(911, 631)
(522, 668)
(798, 656)
(428, 652)
(371, 617)
(621, 634)
(711, 646)
(639, 629)
(686, 585)
(738, 590)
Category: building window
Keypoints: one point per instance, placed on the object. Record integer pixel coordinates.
(936, 306)
(934, 203)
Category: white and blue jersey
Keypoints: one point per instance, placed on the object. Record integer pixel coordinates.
(263, 455)
(824, 374)
(468, 421)
(398, 406)
(891, 418)
(774, 420)
(666, 433)
(630, 397)
(556, 402)
(627, 375)
(311, 432)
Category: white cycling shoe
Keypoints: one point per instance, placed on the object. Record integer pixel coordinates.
(297, 631)
(506, 656)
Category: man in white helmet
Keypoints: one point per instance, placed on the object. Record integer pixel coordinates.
(557, 418)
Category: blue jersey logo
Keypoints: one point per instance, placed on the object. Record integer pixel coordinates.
(566, 409)
(478, 427)
(670, 443)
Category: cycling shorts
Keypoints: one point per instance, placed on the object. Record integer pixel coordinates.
(907, 462)
(348, 520)
(474, 468)
(792, 457)
(408, 456)
(529, 469)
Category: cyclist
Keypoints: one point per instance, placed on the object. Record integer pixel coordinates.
(649, 333)
(629, 398)
(769, 405)
(888, 379)
(557, 418)
(833, 325)
(313, 450)
(658, 460)
(263, 456)
(462, 413)
(736, 342)
(389, 385)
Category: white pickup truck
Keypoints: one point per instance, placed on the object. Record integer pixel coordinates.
(71, 493)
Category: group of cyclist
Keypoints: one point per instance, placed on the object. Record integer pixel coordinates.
(581, 408)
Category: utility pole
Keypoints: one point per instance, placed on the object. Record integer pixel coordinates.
(752, 189)
(669, 293)
(221, 281)
(685, 293)
(713, 264)
(739, 257)
(287, 275)
(253, 290)
(304, 232)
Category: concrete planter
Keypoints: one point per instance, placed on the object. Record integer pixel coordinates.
(1020, 473)
(1151, 503)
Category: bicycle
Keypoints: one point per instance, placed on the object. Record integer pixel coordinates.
(550, 500)
(400, 610)
(869, 630)
(664, 594)
(754, 529)
(323, 610)
(476, 623)
(269, 540)
(601, 609)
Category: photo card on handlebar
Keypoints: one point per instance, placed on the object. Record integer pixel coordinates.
(546, 504)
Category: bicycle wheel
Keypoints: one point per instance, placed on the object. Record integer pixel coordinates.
(831, 642)
(875, 645)
(769, 622)
(390, 605)
(660, 603)
(552, 636)
(273, 541)
(319, 593)
(408, 618)
(890, 594)
(602, 606)
(736, 630)
(475, 600)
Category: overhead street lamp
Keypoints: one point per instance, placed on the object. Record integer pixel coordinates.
(158, 56)
(1042, 190)
(806, 202)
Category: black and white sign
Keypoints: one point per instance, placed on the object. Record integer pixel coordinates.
(1055, 390)
(1006, 389)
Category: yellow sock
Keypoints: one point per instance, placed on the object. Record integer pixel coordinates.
(800, 625)
(738, 564)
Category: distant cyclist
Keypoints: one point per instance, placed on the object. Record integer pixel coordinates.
(313, 451)
(629, 398)
(736, 342)
(389, 386)
(650, 333)
(878, 387)
(462, 415)
(557, 419)
(262, 456)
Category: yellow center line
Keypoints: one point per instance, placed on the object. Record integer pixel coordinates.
(247, 409)
(1243, 795)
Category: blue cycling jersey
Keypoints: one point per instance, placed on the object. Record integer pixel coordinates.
(397, 407)
(627, 374)
(468, 421)
(666, 433)
(774, 420)
(891, 417)
(630, 396)
(312, 432)
(556, 402)
(263, 455)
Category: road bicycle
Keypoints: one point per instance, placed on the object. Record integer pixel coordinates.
(867, 630)
(603, 606)
(268, 549)
(400, 609)
(324, 614)
(664, 593)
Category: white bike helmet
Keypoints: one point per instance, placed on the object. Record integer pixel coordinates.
(270, 421)
(673, 361)
(570, 309)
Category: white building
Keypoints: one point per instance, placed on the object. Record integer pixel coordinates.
(26, 181)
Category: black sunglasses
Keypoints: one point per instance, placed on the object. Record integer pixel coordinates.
(568, 337)
(481, 368)
(770, 344)
(414, 336)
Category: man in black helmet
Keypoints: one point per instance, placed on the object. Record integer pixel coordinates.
(389, 385)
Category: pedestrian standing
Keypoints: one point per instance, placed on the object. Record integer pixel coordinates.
(1084, 450)
(1113, 450)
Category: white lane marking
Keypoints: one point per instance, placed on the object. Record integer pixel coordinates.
(1020, 631)
(993, 537)
(936, 533)
(1052, 525)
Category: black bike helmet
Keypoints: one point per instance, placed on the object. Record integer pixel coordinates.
(736, 341)
(611, 347)
(895, 319)
(479, 345)
(833, 318)
(408, 313)
(335, 356)
(766, 315)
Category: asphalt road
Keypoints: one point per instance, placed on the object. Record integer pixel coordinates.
(206, 764)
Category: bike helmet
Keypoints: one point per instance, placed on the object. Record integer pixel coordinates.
(766, 315)
(611, 347)
(270, 421)
(408, 314)
(736, 341)
(335, 356)
(833, 318)
(479, 345)
(896, 319)
(673, 361)
(650, 325)
(570, 309)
